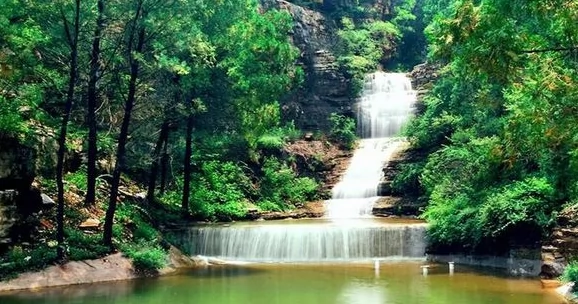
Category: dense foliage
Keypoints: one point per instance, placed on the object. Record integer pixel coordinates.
(499, 126)
(571, 274)
(180, 95)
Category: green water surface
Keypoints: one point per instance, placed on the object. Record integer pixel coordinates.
(396, 283)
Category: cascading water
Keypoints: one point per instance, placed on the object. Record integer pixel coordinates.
(308, 242)
(385, 106)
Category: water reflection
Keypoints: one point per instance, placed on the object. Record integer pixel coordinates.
(397, 283)
(361, 292)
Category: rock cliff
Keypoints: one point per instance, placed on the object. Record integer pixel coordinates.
(18, 199)
(325, 89)
(562, 244)
(423, 77)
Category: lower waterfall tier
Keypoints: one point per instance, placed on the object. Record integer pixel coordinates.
(307, 242)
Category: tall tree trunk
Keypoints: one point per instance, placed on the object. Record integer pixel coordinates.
(187, 165)
(91, 105)
(164, 166)
(163, 136)
(123, 136)
(73, 42)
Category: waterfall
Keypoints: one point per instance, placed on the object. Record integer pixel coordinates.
(385, 105)
(307, 242)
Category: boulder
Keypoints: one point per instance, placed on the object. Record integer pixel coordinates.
(90, 224)
(8, 214)
(17, 165)
(47, 201)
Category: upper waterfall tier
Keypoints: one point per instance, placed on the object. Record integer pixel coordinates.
(385, 105)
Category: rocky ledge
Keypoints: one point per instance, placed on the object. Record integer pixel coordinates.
(115, 267)
(389, 206)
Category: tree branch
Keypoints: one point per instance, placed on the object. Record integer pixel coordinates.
(559, 49)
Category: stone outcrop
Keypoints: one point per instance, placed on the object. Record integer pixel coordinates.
(8, 214)
(18, 199)
(423, 77)
(391, 203)
(562, 244)
(17, 165)
(325, 89)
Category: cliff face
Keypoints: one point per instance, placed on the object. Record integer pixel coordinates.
(325, 89)
(18, 199)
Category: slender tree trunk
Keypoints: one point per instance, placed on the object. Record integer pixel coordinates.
(91, 105)
(164, 134)
(187, 165)
(73, 41)
(164, 166)
(123, 136)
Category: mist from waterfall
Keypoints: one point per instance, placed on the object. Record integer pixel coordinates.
(385, 105)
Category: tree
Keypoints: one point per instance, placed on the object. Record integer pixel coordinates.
(72, 33)
(135, 47)
(92, 96)
(498, 124)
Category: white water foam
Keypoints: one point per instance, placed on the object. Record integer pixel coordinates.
(386, 104)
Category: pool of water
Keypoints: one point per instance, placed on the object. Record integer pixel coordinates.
(396, 283)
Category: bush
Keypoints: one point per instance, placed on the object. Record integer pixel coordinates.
(84, 246)
(526, 202)
(11, 122)
(277, 137)
(141, 241)
(407, 180)
(19, 259)
(146, 256)
(454, 178)
(342, 130)
(571, 273)
(270, 142)
(77, 179)
(219, 190)
(281, 188)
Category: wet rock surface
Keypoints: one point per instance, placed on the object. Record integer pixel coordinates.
(389, 206)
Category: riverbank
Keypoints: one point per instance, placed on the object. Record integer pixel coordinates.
(114, 267)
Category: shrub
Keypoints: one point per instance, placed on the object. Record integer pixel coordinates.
(218, 191)
(19, 259)
(270, 142)
(521, 202)
(277, 137)
(407, 180)
(571, 273)
(78, 179)
(11, 122)
(342, 130)
(281, 188)
(84, 246)
(146, 256)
